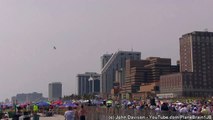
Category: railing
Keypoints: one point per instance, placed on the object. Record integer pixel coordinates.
(95, 113)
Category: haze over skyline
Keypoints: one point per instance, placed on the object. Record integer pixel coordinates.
(82, 31)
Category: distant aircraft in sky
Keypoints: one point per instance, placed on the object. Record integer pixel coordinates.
(54, 47)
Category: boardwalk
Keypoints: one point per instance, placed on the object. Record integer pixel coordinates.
(55, 117)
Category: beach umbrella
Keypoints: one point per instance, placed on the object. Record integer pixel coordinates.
(58, 102)
(124, 101)
(43, 103)
(67, 101)
(129, 103)
(7, 105)
(22, 105)
(179, 103)
(98, 102)
(69, 105)
(109, 102)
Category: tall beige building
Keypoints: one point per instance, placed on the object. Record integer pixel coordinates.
(196, 66)
(55, 90)
(196, 55)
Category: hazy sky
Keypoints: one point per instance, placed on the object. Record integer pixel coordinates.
(82, 31)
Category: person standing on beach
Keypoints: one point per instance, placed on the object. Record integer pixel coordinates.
(82, 113)
(76, 113)
(69, 114)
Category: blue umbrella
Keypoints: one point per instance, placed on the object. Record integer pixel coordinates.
(42, 103)
(98, 102)
(8, 105)
(70, 105)
(67, 101)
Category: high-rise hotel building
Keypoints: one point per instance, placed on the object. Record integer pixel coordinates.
(112, 63)
(196, 66)
(88, 83)
(196, 55)
(55, 90)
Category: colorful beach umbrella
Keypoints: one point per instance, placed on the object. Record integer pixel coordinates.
(43, 103)
(109, 102)
(69, 105)
(58, 102)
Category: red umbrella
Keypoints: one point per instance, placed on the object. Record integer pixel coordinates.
(58, 102)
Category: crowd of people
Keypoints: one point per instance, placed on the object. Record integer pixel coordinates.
(75, 114)
(17, 112)
(195, 107)
(80, 111)
(26, 112)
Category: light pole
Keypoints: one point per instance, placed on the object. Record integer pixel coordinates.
(121, 82)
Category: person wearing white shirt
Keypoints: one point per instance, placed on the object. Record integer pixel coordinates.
(69, 114)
